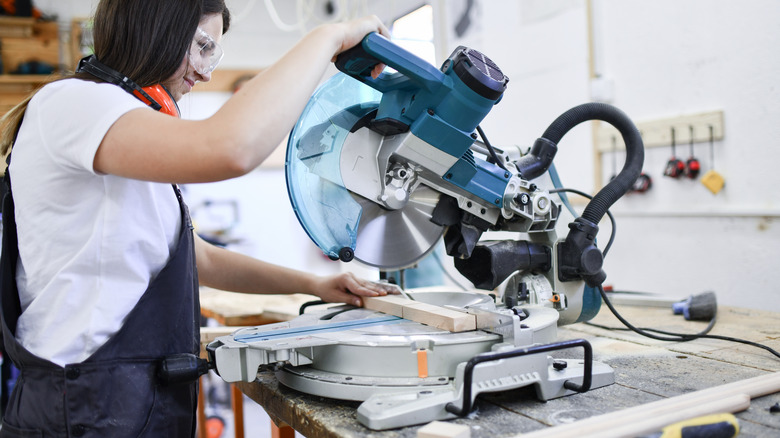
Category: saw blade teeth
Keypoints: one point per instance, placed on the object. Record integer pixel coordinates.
(394, 239)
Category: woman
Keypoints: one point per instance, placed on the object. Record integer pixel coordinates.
(104, 287)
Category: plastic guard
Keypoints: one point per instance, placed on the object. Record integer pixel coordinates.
(323, 206)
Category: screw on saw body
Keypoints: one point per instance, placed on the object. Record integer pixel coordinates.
(523, 198)
(346, 254)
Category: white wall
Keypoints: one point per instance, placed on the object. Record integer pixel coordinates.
(663, 58)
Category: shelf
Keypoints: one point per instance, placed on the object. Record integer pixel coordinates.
(14, 88)
(16, 27)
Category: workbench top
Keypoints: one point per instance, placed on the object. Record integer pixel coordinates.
(646, 370)
(238, 309)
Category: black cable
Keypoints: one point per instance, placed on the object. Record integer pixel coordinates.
(679, 337)
(647, 332)
(609, 214)
(490, 149)
(671, 336)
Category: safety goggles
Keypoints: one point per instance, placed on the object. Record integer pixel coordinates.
(205, 53)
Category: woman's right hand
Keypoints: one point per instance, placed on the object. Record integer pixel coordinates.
(354, 31)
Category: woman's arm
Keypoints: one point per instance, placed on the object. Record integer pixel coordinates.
(150, 146)
(227, 270)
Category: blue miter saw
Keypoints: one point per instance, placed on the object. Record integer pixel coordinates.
(380, 170)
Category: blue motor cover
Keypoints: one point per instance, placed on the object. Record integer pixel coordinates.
(441, 107)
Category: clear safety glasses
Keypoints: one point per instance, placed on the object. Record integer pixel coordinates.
(205, 53)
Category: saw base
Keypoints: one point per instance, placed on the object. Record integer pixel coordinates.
(408, 373)
(390, 403)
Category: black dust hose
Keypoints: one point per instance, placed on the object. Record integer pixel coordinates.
(635, 151)
(578, 256)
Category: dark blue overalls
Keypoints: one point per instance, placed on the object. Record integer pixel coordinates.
(115, 392)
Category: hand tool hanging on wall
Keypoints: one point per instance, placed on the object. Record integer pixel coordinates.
(674, 167)
(692, 166)
(712, 179)
(643, 183)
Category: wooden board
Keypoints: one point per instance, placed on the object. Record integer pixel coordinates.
(443, 429)
(440, 317)
(389, 304)
(428, 314)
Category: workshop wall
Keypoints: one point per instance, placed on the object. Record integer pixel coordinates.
(654, 60)
(658, 60)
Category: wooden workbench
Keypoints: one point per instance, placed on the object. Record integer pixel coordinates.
(645, 371)
(237, 309)
(230, 311)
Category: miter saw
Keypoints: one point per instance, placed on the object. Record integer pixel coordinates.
(382, 169)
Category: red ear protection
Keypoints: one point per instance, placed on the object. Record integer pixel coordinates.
(162, 97)
(156, 96)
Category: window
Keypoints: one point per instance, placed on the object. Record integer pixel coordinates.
(414, 32)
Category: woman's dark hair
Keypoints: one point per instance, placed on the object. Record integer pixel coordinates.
(146, 40)
(218, 7)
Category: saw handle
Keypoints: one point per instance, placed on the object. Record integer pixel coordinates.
(412, 71)
(468, 373)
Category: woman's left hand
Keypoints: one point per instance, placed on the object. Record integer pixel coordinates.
(348, 288)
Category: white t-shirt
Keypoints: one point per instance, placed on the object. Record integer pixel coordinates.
(89, 243)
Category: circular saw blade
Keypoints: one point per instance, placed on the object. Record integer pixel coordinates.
(395, 239)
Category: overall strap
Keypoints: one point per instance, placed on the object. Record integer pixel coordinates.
(9, 295)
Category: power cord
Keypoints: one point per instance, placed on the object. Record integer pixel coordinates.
(609, 214)
(671, 336)
(490, 149)
(651, 332)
